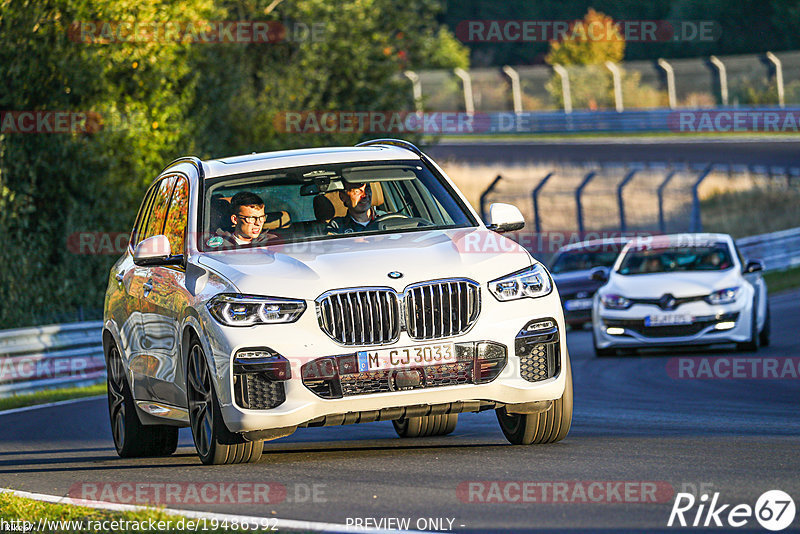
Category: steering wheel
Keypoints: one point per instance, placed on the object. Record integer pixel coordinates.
(388, 216)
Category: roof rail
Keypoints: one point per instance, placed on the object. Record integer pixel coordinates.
(188, 159)
(394, 142)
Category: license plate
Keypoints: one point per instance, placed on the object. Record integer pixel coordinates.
(578, 304)
(404, 357)
(668, 319)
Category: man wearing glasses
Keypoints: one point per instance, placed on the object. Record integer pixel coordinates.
(248, 217)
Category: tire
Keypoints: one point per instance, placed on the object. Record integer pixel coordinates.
(763, 337)
(548, 427)
(602, 353)
(429, 425)
(132, 439)
(752, 344)
(215, 444)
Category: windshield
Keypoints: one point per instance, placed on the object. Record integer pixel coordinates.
(715, 257)
(326, 202)
(580, 260)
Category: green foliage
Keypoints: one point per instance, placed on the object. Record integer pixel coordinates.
(154, 101)
(742, 26)
(591, 41)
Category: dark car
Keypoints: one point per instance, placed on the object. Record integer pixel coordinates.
(572, 268)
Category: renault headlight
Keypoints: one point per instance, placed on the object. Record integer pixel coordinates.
(248, 310)
(723, 296)
(615, 302)
(531, 282)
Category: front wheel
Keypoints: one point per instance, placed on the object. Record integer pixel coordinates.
(752, 344)
(132, 439)
(763, 337)
(429, 425)
(547, 427)
(215, 444)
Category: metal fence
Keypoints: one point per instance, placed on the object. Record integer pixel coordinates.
(770, 79)
(577, 202)
(43, 357)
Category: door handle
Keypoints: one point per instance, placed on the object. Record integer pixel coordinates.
(148, 287)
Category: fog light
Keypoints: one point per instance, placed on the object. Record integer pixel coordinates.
(615, 331)
(725, 325)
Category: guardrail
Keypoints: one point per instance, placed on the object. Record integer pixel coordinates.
(778, 250)
(43, 357)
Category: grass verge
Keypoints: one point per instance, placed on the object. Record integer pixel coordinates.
(51, 395)
(90, 520)
(746, 213)
(778, 281)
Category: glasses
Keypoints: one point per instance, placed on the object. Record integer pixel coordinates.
(252, 219)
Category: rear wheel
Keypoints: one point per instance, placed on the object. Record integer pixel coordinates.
(429, 425)
(132, 439)
(215, 444)
(546, 427)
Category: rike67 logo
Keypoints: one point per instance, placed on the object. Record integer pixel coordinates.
(774, 510)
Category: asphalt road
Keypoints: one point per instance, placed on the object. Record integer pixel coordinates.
(778, 152)
(634, 421)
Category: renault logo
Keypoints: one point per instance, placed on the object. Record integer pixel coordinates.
(395, 274)
(667, 302)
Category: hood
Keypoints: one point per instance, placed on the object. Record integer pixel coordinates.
(306, 270)
(679, 284)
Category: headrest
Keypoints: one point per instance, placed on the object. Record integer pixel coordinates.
(341, 211)
(276, 219)
(324, 209)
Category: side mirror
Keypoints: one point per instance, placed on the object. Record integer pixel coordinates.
(754, 266)
(504, 218)
(155, 250)
(599, 275)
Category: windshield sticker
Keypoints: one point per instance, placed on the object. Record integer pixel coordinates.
(214, 241)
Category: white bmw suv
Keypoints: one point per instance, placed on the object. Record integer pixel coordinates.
(245, 324)
(681, 289)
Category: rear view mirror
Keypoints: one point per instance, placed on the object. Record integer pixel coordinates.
(599, 275)
(754, 266)
(504, 218)
(155, 250)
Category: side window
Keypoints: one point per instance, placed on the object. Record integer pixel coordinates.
(141, 219)
(158, 210)
(177, 216)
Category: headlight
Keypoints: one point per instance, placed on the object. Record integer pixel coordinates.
(723, 296)
(615, 302)
(247, 310)
(532, 282)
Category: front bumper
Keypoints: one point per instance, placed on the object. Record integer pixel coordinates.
(303, 342)
(710, 325)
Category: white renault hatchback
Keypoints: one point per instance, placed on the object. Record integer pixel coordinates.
(682, 289)
(246, 321)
